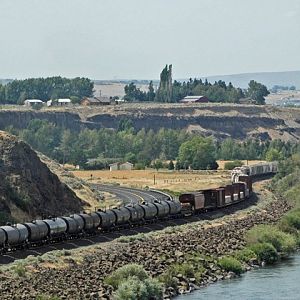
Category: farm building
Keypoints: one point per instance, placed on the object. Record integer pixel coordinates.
(31, 102)
(121, 166)
(96, 101)
(59, 102)
(194, 99)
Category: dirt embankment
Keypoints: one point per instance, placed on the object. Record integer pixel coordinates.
(219, 120)
(79, 274)
(28, 188)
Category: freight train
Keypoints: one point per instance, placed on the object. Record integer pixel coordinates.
(40, 232)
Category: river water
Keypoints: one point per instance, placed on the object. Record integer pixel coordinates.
(281, 281)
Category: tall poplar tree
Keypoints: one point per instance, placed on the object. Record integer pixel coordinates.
(164, 92)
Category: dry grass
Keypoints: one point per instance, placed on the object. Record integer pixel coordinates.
(177, 181)
(170, 180)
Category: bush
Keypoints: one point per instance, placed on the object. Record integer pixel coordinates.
(245, 255)
(231, 264)
(193, 269)
(20, 270)
(265, 252)
(290, 222)
(124, 273)
(230, 165)
(133, 289)
(282, 242)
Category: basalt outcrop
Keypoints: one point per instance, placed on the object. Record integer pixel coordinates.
(28, 189)
(218, 120)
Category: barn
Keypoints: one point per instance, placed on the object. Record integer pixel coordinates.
(194, 99)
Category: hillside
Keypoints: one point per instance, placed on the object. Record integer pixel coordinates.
(28, 189)
(267, 78)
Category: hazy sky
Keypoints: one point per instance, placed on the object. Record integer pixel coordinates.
(109, 39)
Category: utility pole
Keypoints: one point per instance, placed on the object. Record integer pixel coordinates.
(154, 179)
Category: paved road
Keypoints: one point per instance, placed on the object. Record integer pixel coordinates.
(131, 195)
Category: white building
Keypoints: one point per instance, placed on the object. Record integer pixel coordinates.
(121, 166)
(59, 102)
(31, 102)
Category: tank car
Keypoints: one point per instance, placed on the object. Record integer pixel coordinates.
(107, 219)
(174, 207)
(150, 211)
(74, 228)
(136, 213)
(16, 236)
(163, 209)
(57, 228)
(38, 232)
(88, 222)
(122, 215)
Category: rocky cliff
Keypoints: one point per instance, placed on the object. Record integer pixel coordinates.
(28, 189)
(219, 120)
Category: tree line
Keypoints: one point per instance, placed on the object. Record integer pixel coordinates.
(98, 148)
(17, 91)
(219, 91)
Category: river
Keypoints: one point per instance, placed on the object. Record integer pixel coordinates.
(281, 281)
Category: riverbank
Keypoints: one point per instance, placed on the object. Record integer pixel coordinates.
(80, 274)
(283, 278)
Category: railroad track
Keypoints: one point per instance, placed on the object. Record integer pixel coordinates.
(131, 195)
(103, 237)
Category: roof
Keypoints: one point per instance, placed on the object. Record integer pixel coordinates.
(64, 100)
(98, 99)
(192, 98)
(120, 164)
(33, 101)
(127, 163)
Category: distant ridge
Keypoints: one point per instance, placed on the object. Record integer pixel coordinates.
(269, 79)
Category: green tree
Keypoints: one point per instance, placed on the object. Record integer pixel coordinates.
(151, 92)
(198, 153)
(164, 92)
(257, 92)
(171, 165)
(273, 155)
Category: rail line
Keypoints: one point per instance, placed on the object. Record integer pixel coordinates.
(104, 237)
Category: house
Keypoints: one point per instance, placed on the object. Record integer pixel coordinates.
(126, 166)
(59, 102)
(194, 99)
(32, 102)
(96, 101)
(121, 166)
(114, 166)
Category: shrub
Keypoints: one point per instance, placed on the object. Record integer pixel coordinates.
(231, 264)
(283, 242)
(193, 269)
(290, 222)
(230, 165)
(133, 289)
(20, 270)
(265, 252)
(168, 280)
(245, 255)
(124, 273)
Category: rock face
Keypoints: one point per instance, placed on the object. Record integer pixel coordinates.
(28, 189)
(218, 120)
